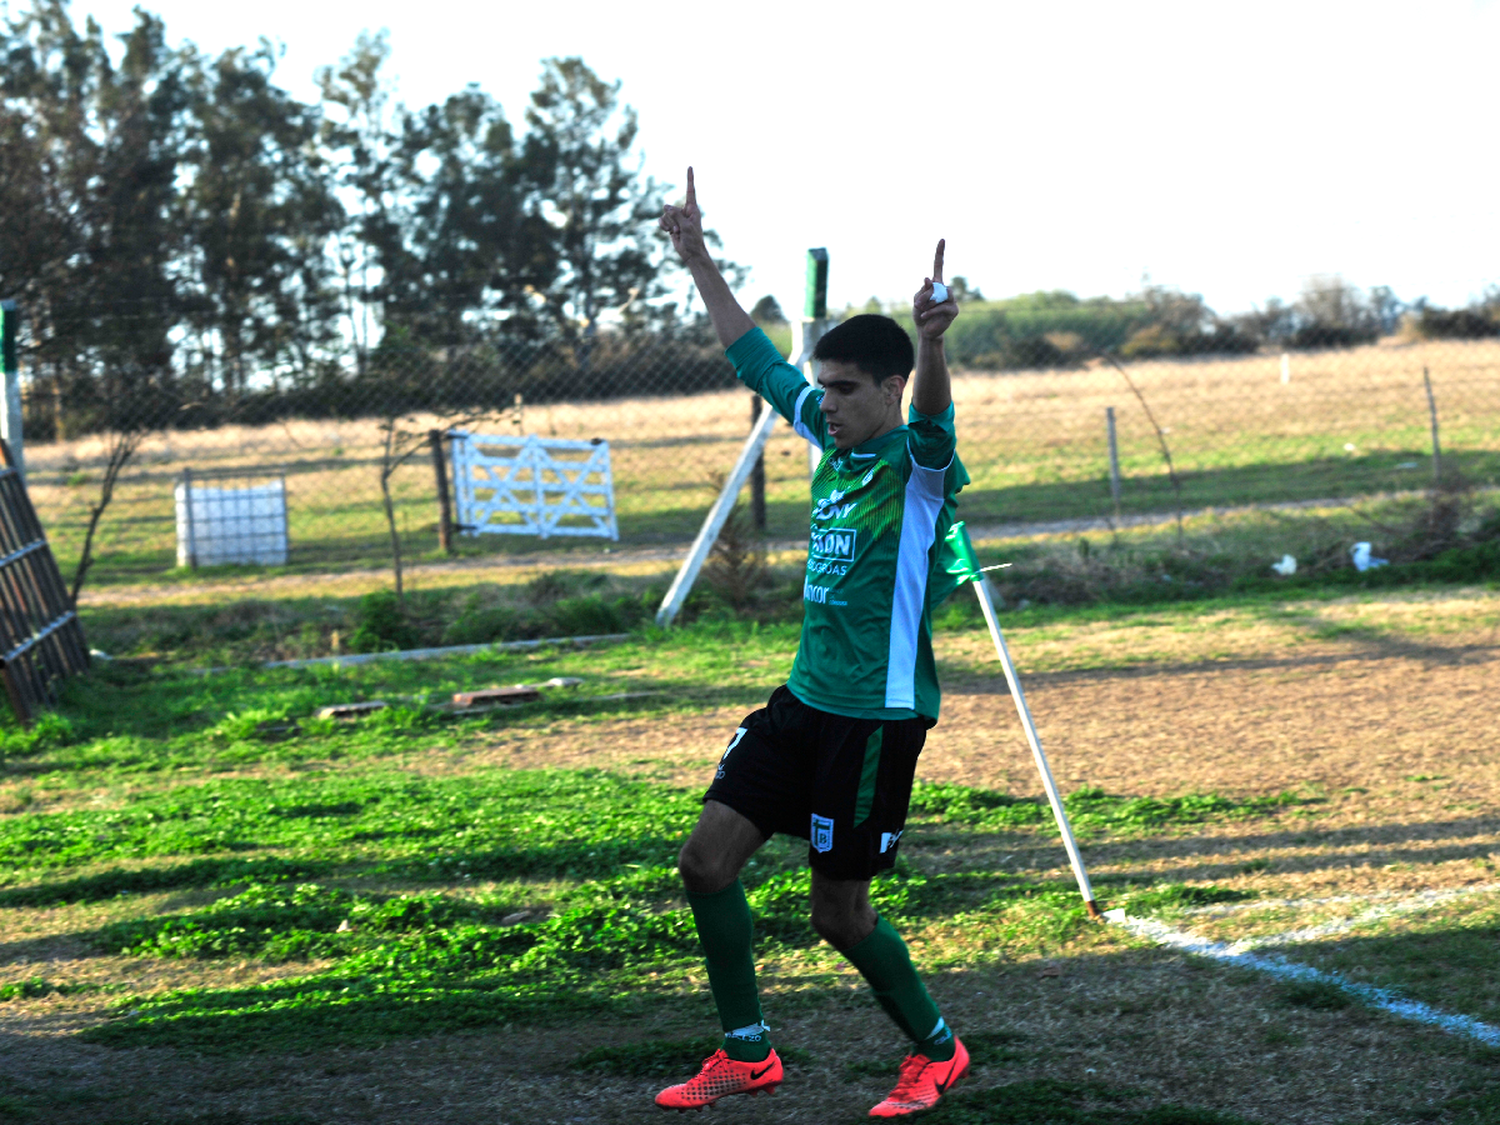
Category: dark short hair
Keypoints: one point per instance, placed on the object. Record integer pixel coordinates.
(875, 344)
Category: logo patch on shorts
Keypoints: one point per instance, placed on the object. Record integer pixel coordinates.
(821, 836)
(888, 840)
(733, 742)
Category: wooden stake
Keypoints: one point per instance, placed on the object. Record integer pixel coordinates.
(445, 504)
(1114, 462)
(1437, 449)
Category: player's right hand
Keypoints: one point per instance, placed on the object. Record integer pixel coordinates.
(684, 225)
(933, 317)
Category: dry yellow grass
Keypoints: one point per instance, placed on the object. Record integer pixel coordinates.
(1033, 442)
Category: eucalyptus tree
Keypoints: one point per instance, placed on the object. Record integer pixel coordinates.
(258, 209)
(592, 202)
(87, 218)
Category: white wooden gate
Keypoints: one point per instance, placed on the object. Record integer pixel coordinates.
(511, 485)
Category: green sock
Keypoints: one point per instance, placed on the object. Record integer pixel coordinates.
(883, 961)
(726, 930)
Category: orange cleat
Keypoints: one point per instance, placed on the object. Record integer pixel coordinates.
(922, 1082)
(720, 1077)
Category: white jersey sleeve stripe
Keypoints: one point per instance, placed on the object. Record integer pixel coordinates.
(924, 500)
(802, 429)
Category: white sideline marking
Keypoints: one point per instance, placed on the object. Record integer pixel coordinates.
(1382, 998)
(1413, 905)
(1422, 898)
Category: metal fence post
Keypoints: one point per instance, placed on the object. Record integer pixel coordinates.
(1114, 461)
(10, 404)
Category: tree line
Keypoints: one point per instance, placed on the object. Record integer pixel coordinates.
(1054, 329)
(190, 244)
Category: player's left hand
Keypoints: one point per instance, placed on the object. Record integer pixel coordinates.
(684, 225)
(933, 317)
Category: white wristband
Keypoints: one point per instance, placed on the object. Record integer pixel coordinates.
(939, 292)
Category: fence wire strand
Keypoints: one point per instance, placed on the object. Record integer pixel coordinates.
(1264, 428)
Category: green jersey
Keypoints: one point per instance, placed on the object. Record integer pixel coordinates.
(879, 515)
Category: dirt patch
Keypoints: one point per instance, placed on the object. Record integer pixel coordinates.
(1243, 726)
(1407, 721)
(1163, 1025)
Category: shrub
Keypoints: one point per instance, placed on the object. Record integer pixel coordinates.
(475, 626)
(1456, 324)
(1154, 339)
(1032, 351)
(1160, 339)
(588, 615)
(381, 624)
(1320, 334)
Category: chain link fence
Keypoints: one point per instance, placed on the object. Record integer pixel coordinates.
(1263, 428)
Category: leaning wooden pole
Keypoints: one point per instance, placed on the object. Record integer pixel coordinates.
(969, 570)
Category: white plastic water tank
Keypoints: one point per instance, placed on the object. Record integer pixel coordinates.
(231, 525)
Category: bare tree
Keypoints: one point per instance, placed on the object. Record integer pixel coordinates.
(1161, 435)
(401, 439)
(122, 446)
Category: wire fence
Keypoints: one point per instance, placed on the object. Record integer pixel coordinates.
(303, 460)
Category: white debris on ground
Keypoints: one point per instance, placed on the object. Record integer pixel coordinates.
(1363, 560)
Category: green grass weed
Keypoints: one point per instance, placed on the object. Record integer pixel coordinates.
(608, 935)
(495, 823)
(126, 717)
(1091, 811)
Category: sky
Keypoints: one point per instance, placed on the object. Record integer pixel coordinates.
(1228, 149)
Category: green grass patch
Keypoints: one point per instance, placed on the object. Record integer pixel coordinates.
(608, 938)
(288, 922)
(492, 823)
(1091, 811)
(129, 718)
(36, 987)
(1321, 996)
(607, 935)
(994, 1048)
(1049, 1102)
(1182, 896)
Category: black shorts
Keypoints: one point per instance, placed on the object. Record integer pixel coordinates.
(841, 784)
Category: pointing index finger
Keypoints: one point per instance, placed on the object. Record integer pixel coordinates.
(692, 195)
(937, 261)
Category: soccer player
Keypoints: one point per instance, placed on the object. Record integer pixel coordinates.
(831, 755)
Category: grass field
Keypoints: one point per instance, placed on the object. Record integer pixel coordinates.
(426, 918)
(1348, 423)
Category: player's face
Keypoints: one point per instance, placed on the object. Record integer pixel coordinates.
(855, 406)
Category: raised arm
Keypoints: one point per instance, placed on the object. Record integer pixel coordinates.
(933, 393)
(685, 226)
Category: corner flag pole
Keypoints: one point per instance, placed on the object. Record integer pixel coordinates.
(966, 567)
